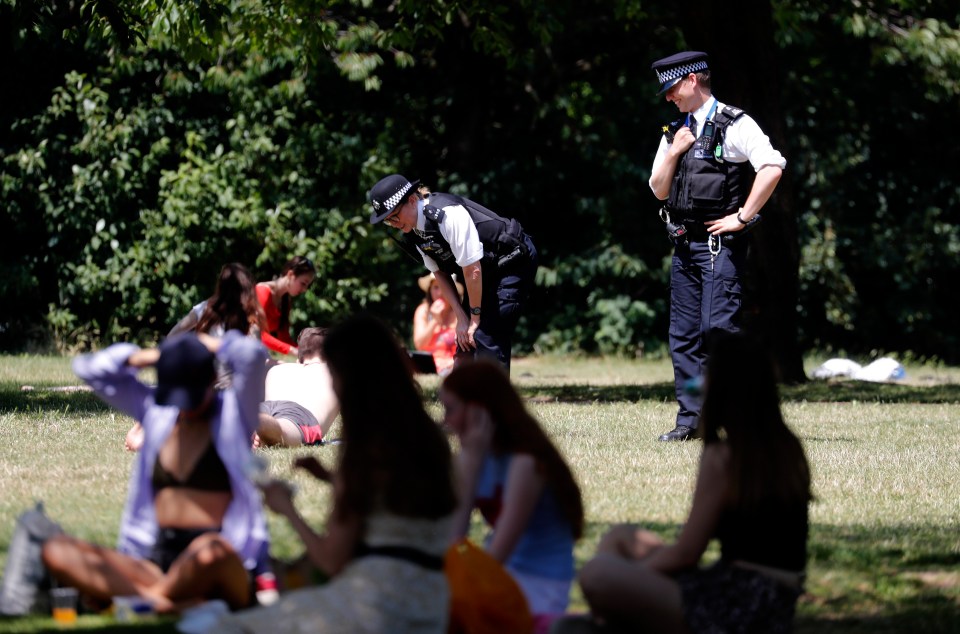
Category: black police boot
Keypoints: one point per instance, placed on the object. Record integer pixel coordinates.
(680, 432)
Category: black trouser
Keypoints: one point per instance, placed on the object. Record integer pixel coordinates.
(705, 293)
(507, 290)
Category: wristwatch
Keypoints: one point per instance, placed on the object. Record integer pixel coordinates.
(475, 310)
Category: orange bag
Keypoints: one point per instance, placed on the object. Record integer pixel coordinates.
(484, 598)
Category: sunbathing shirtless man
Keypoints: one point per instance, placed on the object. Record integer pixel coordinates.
(299, 404)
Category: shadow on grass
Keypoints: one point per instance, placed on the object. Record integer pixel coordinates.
(13, 399)
(848, 391)
(813, 391)
(888, 549)
(662, 392)
(926, 614)
(894, 578)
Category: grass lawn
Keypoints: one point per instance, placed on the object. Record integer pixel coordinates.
(885, 528)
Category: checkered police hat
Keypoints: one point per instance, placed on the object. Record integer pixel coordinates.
(672, 69)
(387, 194)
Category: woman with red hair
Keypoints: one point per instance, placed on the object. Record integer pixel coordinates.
(511, 471)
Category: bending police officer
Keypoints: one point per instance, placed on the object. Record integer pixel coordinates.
(496, 259)
(715, 168)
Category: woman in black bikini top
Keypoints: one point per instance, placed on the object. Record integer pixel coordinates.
(184, 488)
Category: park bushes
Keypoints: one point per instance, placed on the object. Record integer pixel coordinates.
(155, 142)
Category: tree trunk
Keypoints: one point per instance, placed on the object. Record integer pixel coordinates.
(738, 37)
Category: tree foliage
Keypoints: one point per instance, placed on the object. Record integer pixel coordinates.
(158, 140)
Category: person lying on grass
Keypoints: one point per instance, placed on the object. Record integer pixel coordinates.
(193, 526)
(752, 493)
(299, 405)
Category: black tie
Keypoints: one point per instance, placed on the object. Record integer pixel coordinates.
(693, 126)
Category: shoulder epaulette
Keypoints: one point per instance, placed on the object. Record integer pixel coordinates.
(671, 129)
(729, 114)
(433, 214)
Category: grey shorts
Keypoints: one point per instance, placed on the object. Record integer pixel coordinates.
(293, 412)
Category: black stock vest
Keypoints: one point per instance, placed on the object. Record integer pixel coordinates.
(499, 236)
(706, 187)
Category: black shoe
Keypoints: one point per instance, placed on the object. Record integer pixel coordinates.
(680, 432)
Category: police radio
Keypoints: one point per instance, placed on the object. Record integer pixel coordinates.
(704, 146)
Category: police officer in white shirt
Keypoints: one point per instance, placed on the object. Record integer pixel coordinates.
(496, 259)
(715, 169)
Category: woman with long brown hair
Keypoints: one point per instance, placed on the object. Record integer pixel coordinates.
(295, 278)
(752, 495)
(233, 306)
(511, 471)
(393, 500)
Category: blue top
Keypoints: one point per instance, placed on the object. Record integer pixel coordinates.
(234, 422)
(546, 547)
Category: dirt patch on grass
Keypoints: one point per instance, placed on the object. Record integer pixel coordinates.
(936, 579)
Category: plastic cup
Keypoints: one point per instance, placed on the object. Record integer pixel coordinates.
(63, 602)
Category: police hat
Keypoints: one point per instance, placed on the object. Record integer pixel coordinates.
(185, 371)
(387, 194)
(672, 69)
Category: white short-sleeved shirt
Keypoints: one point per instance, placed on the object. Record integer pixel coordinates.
(216, 330)
(458, 230)
(743, 141)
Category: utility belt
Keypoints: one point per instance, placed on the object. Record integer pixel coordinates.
(511, 246)
(685, 231)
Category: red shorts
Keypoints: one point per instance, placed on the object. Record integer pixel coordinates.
(312, 435)
(297, 414)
